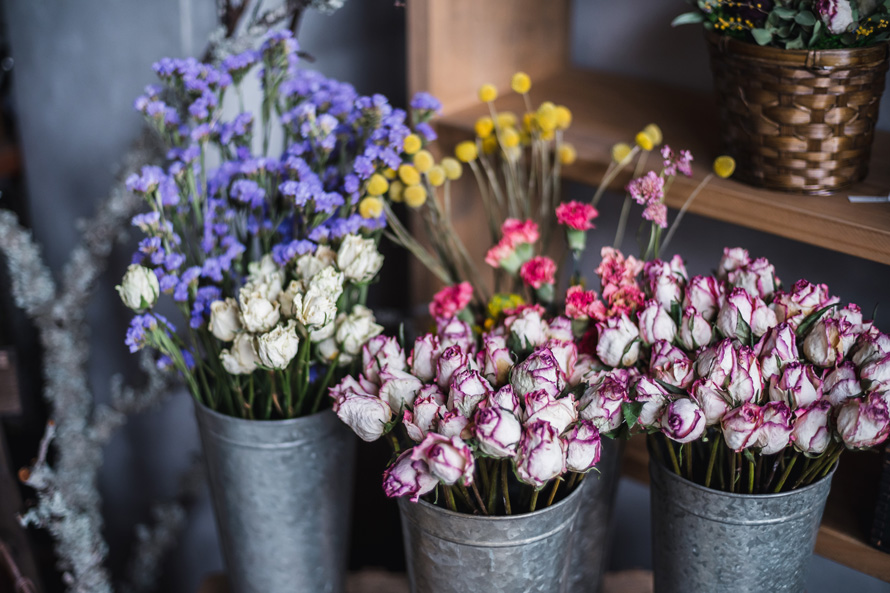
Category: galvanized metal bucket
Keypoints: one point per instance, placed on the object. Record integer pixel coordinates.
(593, 540)
(707, 541)
(449, 552)
(282, 495)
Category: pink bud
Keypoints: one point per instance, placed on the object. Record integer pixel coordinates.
(864, 423)
(741, 426)
(541, 455)
(810, 433)
(583, 447)
(407, 477)
(449, 459)
(497, 431)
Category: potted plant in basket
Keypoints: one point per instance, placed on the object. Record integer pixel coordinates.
(799, 84)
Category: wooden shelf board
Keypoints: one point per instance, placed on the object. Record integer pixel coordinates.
(609, 108)
(843, 535)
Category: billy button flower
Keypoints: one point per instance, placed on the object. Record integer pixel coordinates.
(563, 117)
(488, 93)
(412, 143)
(509, 138)
(506, 119)
(395, 190)
(409, 175)
(370, 207)
(390, 173)
(724, 166)
(546, 117)
(414, 195)
(654, 133)
(567, 154)
(377, 185)
(521, 83)
(621, 152)
(490, 145)
(436, 175)
(453, 169)
(466, 151)
(484, 127)
(644, 141)
(423, 161)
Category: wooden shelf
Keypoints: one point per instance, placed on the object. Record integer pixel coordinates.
(610, 108)
(843, 535)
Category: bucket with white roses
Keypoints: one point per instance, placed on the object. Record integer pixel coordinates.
(751, 395)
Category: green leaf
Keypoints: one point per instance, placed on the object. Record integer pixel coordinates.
(676, 313)
(795, 43)
(749, 455)
(785, 13)
(810, 320)
(761, 36)
(631, 412)
(805, 18)
(743, 332)
(688, 18)
(671, 388)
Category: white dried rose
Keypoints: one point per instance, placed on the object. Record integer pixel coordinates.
(278, 347)
(224, 321)
(139, 288)
(355, 329)
(359, 259)
(329, 282)
(241, 358)
(286, 298)
(314, 310)
(258, 314)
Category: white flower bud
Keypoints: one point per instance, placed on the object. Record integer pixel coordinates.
(224, 321)
(241, 359)
(278, 347)
(139, 288)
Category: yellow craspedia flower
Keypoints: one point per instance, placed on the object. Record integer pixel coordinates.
(377, 185)
(567, 154)
(644, 141)
(654, 133)
(547, 134)
(390, 173)
(489, 145)
(563, 117)
(409, 174)
(414, 196)
(528, 122)
(488, 93)
(452, 168)
(724, 166)
(620, 152)
(484, 127)
(546, 117)
(436, 175)
(423, 161)
(412, 143)
(521, 83)
(370, 207)
(466, 151)
(509, 138)
(506, 119)
(501, 302)
(395, 190)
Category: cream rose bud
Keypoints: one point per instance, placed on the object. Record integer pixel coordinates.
(454, 332)
(601, 402)
(356, 329)
(695, 331)
(359, 259)
(139, 288)
(585, 365)
(541, 455)
(258, 271)
(366, 414)
(870, 346)
(656, 324)
(450, 361)
(841, 384)
(733, 259)
(799, 386)
(716, 363)
(495, 359)
(775, 432)
(505, 398)
(670, 365)
(762, 319)
(713, 400)
(425, 357)
(382, 352)
(654, 398)
(876, 375)
(278, 347)
(776, 348)
(810, 433)
(803, 299)
(398, 388)
(560, 329)
(541, 405)
(453, 424)
(828, 342)
(423, 418)
(583, 447)
(258, 314)
(314, 310)
(683, 421)
(619, 342)
(666, 281)
(328, 282)
(310, 264)
(497, 431)
(735, 314)
(758, 278)
(539, 371)
(268, 287)
(566, 355)
(241, 358)
(864, 423)
(706, 295)
(407, 477)
(529, 329)
(449, 459)
(286, 298)
(468, 388)
(741, 426)
(745, 381)
(224, 321)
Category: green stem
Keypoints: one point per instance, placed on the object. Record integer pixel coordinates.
(534, 501)
(323, 386)
(786, 473)
(556, 483)
(504, 486)
(711, 460)
(479, 498)
(449, 498)
(687, 450)
(673, 455)
(732, 459)
(493, 487)
(750, 477)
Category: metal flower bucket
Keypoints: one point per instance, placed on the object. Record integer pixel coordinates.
(282, 496)
(449, 552)
(593, 540)
(708, 541)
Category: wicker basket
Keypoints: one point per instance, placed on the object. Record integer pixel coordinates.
(797, 120)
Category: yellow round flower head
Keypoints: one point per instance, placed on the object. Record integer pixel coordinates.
(466, 151)
(370, 207)
(436, 175)
(567, 154)
(546, 117)
(506, 119)
(563, 117)
(521, 83)
(620, 152)
(724, 166)
(409, 175)
(488, 93)
(547, 134)
(510, 138)
(423, 160)
(395, 190)
(654, 133)
(528, 122)
(452, 168)
(377, 185)
(390, 173)
(644, 141)
(414, 195)
(489, 145)
(484, 127)
(412, 143)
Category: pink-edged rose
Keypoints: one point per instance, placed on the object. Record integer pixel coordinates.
(449, 459)
(382, 352)
(733, 259)
(542, 405)
(671, 365)
(841, 384)
(453, 424)
(757, 277)
(506, 399)
(741, 426)
(398, 388)
(798, 386)
(836, 15)
(695, 331)
(864, 423)
(775, 432)
(408, 477)
(810, 433)
(763, 318)
(829, 341)
(619, 342)
(529, 329)
(560, 329)
(706, 295)
(745, 381)
(601, 402)
(423, 418)
(655, 324)
(541, 455)
(683, 421)
(804, 298)
(566, 355)
(654, 398)
(497, 431)
(495, 359)
(451, 300)
(666, 281)
(716, 362)
(876, 375)
(713, 400)
(539, 371)
(450, 361)
(468, 388)
(583, 447)
(455, 332)
(366, 414)
(425, 357)
(870, 346)
(776, 348)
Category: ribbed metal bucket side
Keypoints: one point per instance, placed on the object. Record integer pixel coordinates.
(282, 493)
(708, 541)
(449, 552)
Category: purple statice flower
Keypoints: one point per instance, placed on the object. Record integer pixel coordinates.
(165, 67)
(426, 102)
(168, 192)
(155, 109)
(212, 269)
(320, 234)
(174, 261)
(351, 183)
(168, 283)
(220, 178)
(248, 192)
(151, 247)
(146, 221)
(284, 253)
(646, 189)
(302, 191)
(201, 133)
(236, 130)
(328, 202)
(141, 325)
(340, 227)
(373, 224)
(201, 307)
(202, 108)
(186, 280)
(147, 181)
(426, 130)
(164, 363)
(238, 64)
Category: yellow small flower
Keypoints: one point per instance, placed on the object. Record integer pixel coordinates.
(409, 175)
(377, 185)
(501, 302)
(370, 207)
(724, 166)
(390, 173)
(506, 119)
(654, 133)
(414, 196)
(510, 138)
(512, 153)
(528, 122)
(484, 127)
(567, 154)
(546, 117)
(424, 161)
(620, 152)
(395, 190)
(436, 175)
(547, 135)
(563, 117)
(412, 143)
(453, 169)
(521, 83)
(489, 145)
(466, 151)
(644, 141)
(488, 93)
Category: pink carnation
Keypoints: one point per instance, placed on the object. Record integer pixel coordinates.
(538, 271)
(616, 270)
(657, 213)
(517, 232)
(498, 253)
(576, 215)
(578, 302)
(623, 300)
(649, 188)
(449, 301)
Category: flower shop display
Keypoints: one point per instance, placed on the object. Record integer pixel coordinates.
(750, 396)
(256, 235)
(799, 86)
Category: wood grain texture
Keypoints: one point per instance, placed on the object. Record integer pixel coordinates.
(610, 108)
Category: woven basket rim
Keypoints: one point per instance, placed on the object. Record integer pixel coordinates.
(807, 58)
